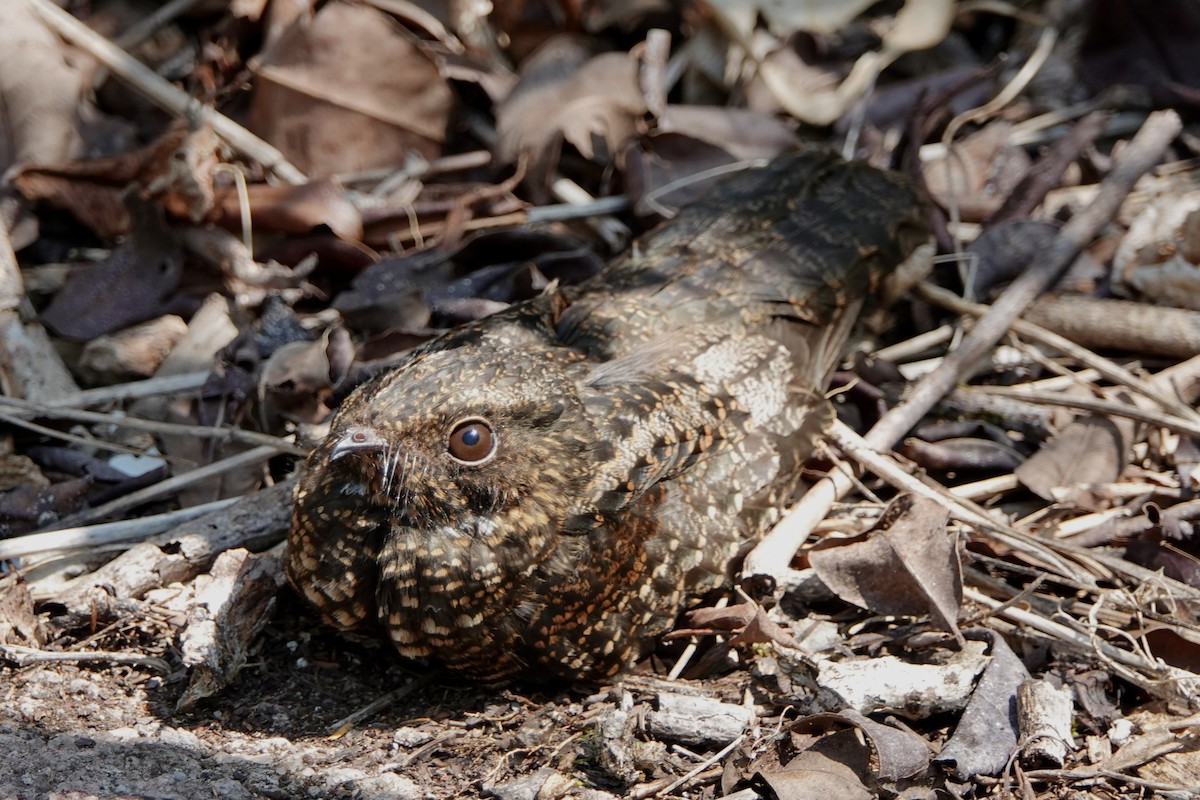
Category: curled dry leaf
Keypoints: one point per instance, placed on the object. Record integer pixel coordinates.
(176, 169)
(131, 353)
(978, 173)
(986, 735)
(299, 377)
(908, 564)
(1159, 257)
(20, 470)
(897, 753)
(284, 208)
(348, 90)
(593, 103)
(919, 24)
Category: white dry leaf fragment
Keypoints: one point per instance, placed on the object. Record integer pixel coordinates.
(785, 17)
(919, 24)
(890, 684)
(1158, 255)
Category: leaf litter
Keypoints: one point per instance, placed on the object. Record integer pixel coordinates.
(1003, 604)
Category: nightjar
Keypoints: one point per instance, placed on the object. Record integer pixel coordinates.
(540, 492)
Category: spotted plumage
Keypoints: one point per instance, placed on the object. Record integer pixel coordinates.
(540, 492)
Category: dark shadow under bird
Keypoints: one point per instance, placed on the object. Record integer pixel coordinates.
(540, 492)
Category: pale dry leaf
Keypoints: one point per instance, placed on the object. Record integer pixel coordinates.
(785, 17)
(594, 104)
(40, 89)
(918, 25)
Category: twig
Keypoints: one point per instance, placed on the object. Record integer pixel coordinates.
(1106, 367)
(701, 767)
(145, 28)
(134, 390)
(162, 488)
(150, 425)
(886, 467)
(125, 530)
(1187, 681)
(22, 656)
(162, 93)
(1099, 407)
(340, 728)
(774, 553)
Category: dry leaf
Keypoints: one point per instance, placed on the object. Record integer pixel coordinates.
(1093, 449)
(593, 103)
(986, 734)
(347, 91)
(908, 564)
(40, 89)
(127, 287)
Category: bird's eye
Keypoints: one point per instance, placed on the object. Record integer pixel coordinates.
(471, 441)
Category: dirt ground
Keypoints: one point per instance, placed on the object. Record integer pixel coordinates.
(71, 731)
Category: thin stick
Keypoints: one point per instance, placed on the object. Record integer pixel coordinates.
(773, 554)
(28, 655)
(150, 425)
(1171, 423)
(125, 530)
(162, 93)
(701, 767)
(1106, 367)
(126, 502)
(133, 390)
(340, 728)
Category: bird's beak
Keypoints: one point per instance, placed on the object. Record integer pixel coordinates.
(356, 440)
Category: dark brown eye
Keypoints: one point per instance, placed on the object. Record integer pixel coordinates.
(471, 441)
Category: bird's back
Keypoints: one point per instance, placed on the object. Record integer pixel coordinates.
(651, 423)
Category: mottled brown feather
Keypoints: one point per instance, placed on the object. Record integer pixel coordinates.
(648, 425)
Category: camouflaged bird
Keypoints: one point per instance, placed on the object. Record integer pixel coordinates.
(539, 493)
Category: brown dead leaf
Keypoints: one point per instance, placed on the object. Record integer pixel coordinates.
(1093, 449)
(748, 620)
(978, 173)
(127, 287)
(294, 209)
(593, 103)
(836, 765)
(907, 564)
(348, 90)
(18, 622)
(300, 376)
(176, 169)
(897, 753)
(18, 470)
